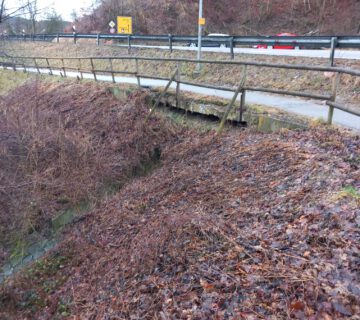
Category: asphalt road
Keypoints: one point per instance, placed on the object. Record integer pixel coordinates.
(325, 53)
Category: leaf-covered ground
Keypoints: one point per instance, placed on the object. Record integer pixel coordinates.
(242, 226)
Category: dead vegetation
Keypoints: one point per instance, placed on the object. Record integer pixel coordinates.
(65, 144)
(243, 226)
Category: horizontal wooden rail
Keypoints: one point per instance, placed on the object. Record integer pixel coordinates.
(14, 63)
(342, 108)
(219, 62)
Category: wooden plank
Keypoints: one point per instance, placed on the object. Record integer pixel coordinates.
(232, 102)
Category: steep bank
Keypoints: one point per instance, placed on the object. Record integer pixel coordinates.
(246, 225)
(239, 17)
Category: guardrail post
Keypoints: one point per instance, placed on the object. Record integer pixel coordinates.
(57, 38)
(74, 35)
(98, 39)
(170, 43)
(232, 47)
(332, 52)
(129, 43)
(137, 72)
(335, 82)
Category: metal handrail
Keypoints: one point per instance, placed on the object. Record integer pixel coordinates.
(352, 41)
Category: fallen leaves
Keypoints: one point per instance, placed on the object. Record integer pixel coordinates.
(240, 227)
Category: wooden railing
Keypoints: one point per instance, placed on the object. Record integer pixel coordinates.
(49, 64)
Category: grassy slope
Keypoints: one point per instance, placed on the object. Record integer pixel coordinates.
(10, 80)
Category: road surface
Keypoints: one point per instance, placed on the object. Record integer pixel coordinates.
(325, 53)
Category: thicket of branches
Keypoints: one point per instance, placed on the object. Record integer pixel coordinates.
(233, 16)
(64, 145)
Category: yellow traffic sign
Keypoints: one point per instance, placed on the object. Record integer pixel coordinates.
(201, 21)
(124, 25)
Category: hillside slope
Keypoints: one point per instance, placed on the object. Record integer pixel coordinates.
(232, 16)
(242, 226)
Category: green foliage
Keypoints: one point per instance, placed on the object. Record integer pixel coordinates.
(352, 192)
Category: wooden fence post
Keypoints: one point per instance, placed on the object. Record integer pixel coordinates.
(14, 64)
(36, 65)
(242, 104)
(92, 69)
(161, 95)
(63, 66)
(79, 69)
(335, 82)
(178, 73)
(48, 64)
(112, 70)
(232, 102)
(137, 72)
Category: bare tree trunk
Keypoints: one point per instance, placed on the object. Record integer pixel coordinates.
(2, 9)
(321, 15)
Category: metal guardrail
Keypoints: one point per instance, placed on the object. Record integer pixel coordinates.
(46, 65)
(314, 42)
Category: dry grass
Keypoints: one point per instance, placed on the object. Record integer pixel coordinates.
(67, 143)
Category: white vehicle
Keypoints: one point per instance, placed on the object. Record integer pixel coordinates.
(221, 44)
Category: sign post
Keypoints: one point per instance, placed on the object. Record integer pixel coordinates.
(200, 23)
(112, 26)
(124, 25)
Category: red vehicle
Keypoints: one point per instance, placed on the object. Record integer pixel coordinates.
(284, 34)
